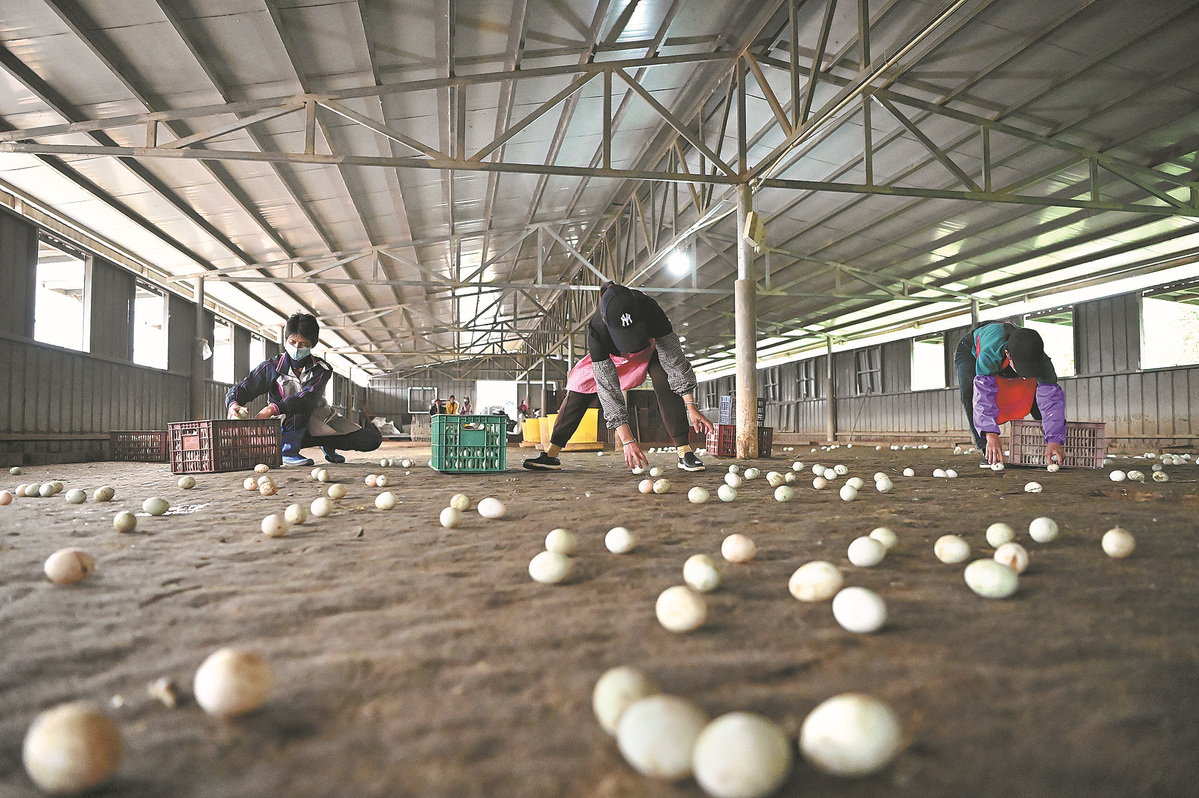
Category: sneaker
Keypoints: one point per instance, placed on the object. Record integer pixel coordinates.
(689, 462)
(331, 455)
(984, 463)
(543, 462)
(296, 461)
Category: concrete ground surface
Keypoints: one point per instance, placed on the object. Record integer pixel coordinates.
(412, 660)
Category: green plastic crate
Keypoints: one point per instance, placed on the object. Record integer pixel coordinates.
(469, 444)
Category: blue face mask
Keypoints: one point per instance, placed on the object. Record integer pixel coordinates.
(297, 353)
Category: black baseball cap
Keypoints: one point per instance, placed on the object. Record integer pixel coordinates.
(624, 320)
(1027, 352)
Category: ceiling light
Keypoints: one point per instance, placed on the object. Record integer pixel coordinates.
(677, 263)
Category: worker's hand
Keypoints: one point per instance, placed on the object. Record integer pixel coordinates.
(265, 412)
(235, 410)
(698, 421)
(633, 456)
(994, 448)
(1054, 453)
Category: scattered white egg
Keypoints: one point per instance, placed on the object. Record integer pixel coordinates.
(698, 495)
(124, 521)
(68, 566)
(381, 481)
(657, 735)
(939, 472)
(155, 505)
(71, 749)
(784, 493)
(620, 540)
(1013, 555)
(47, 489)
(403, 463)
(646, 486)
(841, 469)
(617, 690)
(323, 506)
(561, 541)
(322, 475)
(815, 581)
(1053, 468)
(1161, 476)
(662, 486)
(789, 477)
(991, 579)
(638, 470)
(850, 735)
(15, 471)
(848, 493)
(733, 480)
(797, 466)
(996, 466)
(656, 472)
(859, 610)
(275, 526)
(1118, 543)
(1033, 487)
(337, 491)
(268, 488)
(370, 480)
(884, 485)
(819, 483)
(909, 472)
(999, 533)
(492, 508)
(886, 536)
(726, 493)
(774, 479)
(5, 498)
(951, 549)
(701, 574)
(104, 494)
(680, 609)
(460, 502)
(261, 468)
(866, 551)
(295, 514)
(76, 496)
(232, 682)
(1043, 530)
(752, 473)
(741, 755)
(450, 517)
(734, 469)
(951, 474)
(738, 548)
(384, 501)
(548, 567)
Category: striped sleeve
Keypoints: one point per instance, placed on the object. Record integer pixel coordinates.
(679, 374)
(607, 383)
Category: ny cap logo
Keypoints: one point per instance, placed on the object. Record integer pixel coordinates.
(626, 320)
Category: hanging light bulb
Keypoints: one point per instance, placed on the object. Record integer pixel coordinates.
(677, 263)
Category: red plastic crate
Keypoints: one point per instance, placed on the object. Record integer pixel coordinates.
(144, 446)
(722, 442)
(1086, 443)
(225, 445)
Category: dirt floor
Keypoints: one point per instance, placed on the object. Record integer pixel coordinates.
(412, 660)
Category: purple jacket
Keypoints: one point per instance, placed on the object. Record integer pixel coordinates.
(1051, 401)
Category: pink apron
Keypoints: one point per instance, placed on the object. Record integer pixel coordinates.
(631, 370)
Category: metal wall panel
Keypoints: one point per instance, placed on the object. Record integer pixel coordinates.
(181, 331)
(1107, 334)
(108, 291)
(18, 268)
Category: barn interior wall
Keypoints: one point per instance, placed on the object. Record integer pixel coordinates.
(1155, 408)
(59, 405)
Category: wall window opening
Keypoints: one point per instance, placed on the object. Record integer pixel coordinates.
(257, 350)
(1170, 327)
(869, 367)
(149, 327)
(58, 310)
(928, 363)
(222, 352)
(806, 379)
(1057, 331)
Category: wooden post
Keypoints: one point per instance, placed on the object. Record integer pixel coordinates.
(830, 418)
(196, 406)
(744, 308)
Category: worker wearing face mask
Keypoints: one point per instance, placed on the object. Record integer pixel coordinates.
(295, 383)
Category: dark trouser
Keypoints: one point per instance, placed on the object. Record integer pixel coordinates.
(674, 411)
(365, 439)
(963, 365)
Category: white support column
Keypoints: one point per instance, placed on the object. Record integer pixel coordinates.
(744, 306)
